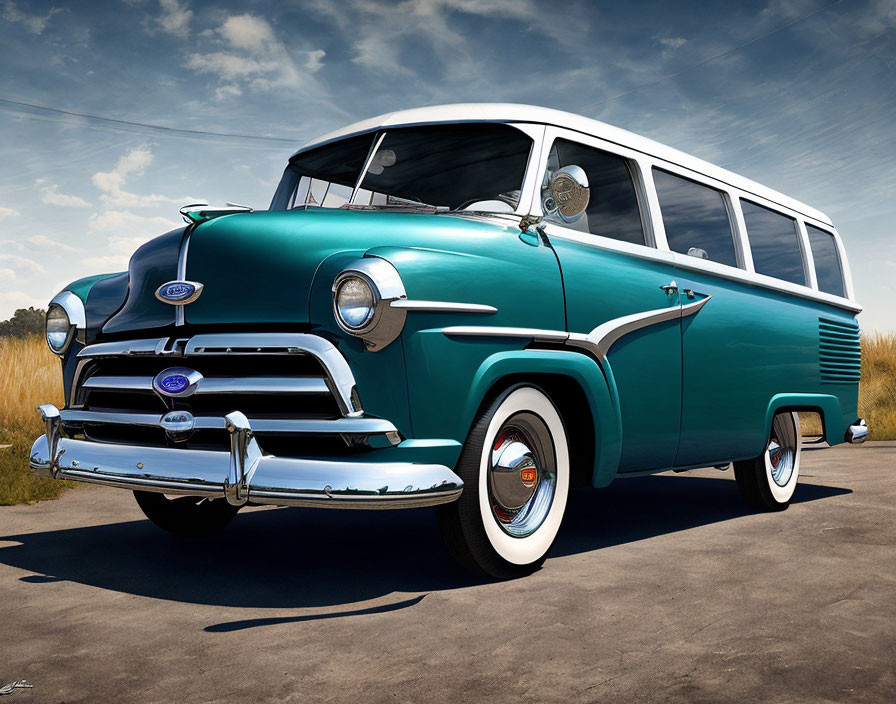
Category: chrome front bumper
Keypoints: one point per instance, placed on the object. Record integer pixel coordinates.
(244, 475)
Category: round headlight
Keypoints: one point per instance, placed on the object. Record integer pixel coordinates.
(355, 302)
(59, 328)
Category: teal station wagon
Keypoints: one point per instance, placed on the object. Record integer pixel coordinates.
(474, 307)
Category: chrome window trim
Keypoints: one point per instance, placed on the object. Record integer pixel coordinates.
(704, 266)
(443, 306)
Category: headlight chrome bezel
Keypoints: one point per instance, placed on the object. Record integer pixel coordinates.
(73, 308)
(385, 323)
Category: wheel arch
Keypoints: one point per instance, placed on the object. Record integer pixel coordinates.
(827, 406)
(579, 390)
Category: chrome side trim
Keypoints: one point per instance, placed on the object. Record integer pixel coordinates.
(443, 306)
(535, 334)
(602, 338)
(311, 426)
(598, 341)
(275, 480)
(218, 385)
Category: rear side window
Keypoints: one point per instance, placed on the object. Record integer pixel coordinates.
(695, 218)
(828, 270)
(613, 207)
(775, 242)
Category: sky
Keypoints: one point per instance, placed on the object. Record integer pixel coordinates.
(799, 95)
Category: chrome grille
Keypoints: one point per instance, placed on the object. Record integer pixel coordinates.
(839, 352)
(296, 389)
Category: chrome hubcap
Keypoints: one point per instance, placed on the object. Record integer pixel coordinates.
(780, 454)
(522, 475)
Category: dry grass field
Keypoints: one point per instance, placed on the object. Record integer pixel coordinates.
(31, 375)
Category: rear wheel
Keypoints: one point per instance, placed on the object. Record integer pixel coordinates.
(515, 469)
(186, 515)
(767, 482)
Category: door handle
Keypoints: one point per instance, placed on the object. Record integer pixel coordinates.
(670, 288)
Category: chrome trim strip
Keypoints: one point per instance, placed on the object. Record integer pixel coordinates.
(218, 385)
(179, 314)
(598, 341)
(601, 339)
(559, 336)
(311, 426)
(125, 347)
(276, 480)
(443, 306)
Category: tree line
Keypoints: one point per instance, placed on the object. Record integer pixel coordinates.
(24, 322)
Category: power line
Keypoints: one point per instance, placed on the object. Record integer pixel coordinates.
(124, 124)
(711, 58)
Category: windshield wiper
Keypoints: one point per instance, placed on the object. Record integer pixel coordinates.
(402, 207)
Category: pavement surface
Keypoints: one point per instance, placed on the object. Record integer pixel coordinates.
(659, 589)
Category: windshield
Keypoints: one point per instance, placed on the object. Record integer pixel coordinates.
(477, 167)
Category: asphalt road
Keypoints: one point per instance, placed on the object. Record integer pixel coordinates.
(660, 589)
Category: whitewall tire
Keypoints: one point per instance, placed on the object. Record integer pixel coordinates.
(768, 482)
(515, 467)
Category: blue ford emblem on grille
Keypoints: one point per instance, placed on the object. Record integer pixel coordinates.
(176, 381)
(179, 293)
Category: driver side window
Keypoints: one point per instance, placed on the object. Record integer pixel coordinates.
(613, 209)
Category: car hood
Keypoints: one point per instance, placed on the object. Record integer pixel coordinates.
(258, 268)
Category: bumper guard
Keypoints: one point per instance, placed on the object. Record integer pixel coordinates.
(244, 475)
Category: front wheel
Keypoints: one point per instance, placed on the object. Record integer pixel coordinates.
(187, 516)
(767, 482)
(515, 469)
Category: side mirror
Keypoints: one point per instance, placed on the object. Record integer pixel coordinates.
(567, 194)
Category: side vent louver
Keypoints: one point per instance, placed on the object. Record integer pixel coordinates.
(839, 351)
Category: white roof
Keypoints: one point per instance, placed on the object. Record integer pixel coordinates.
(512, 112)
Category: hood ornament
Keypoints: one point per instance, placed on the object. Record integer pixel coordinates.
(200, 212)
(179, 293)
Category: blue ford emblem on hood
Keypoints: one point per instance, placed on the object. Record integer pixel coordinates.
(179, 293)
(176, 381)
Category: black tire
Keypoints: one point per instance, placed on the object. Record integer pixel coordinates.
(767, 486)
(186, 516)
(472, 532)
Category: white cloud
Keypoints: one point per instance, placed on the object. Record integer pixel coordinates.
(20, 264)
(118, 252)
(244, 49)
(35, 24)
(44, 241)
(247, 32)
(111, 183)
(51, 196)
(175, 18)
(11, 301)
(125, 221)
(672, 42)
(7, 213)
(7, 275)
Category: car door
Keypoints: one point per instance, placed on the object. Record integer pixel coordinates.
(611, 271)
